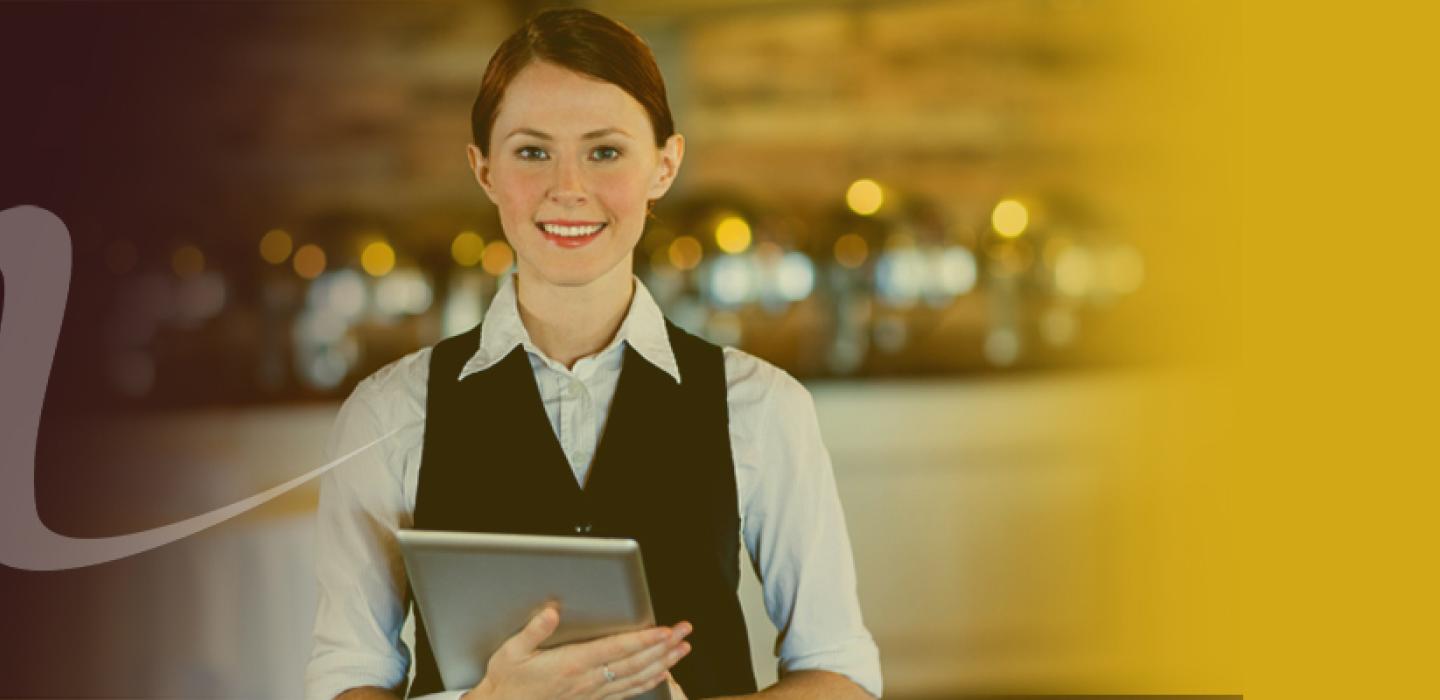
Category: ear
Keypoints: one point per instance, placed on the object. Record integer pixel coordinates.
(669, 166)
(481, 167)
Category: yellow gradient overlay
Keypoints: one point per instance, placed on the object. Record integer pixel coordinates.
(1338, 418)
(1290, 479)
(1170, 172)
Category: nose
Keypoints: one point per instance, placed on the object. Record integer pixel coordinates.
(568, 189)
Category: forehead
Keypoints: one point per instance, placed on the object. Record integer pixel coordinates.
(561, 102)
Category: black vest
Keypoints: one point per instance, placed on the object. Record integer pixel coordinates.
(662, 474)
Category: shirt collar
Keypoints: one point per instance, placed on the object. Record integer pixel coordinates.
(643, 328)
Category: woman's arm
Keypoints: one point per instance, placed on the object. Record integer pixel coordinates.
(359, 572)
(794, 530)
(368, 692)
(811, 685)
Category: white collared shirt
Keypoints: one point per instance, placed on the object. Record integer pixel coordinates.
(791, 519)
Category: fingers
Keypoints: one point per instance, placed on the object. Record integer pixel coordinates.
(655, 672)
(648, 668)
(608, 650)
(655, 659)
(636, 686)
(636, 690)
(540, 627)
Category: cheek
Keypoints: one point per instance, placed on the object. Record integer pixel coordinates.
(519, 197)
(622, 194)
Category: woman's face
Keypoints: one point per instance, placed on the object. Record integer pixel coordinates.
(572, 164)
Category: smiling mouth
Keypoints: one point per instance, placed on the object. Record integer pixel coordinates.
(570, 231)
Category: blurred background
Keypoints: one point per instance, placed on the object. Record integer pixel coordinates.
(958, 222)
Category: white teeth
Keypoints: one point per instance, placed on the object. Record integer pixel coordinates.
(571, 231)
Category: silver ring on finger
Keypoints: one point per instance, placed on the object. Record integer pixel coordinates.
(609, 675)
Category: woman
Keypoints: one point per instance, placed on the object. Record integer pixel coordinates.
(501, 427)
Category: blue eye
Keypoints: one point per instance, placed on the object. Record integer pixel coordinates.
(605, 153)
(532, 153)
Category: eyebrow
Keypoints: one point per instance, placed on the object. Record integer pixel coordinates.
(598, 133)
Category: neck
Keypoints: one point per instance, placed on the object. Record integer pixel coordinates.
(568, 323)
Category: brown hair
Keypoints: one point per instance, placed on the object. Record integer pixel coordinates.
(585, 42)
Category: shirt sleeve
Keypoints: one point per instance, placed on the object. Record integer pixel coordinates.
(362, 585)
(794, 527)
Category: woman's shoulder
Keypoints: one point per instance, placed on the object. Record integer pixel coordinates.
(397, 390)
(752, 381)
(401, 374)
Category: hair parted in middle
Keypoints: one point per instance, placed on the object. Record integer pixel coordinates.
(585, 42)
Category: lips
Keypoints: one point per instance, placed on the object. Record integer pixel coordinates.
(570, 234)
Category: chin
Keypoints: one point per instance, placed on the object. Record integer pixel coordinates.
(573, 276)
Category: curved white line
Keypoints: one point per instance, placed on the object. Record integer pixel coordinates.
(35, 266)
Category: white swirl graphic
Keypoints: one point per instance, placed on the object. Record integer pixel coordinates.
(35, 266)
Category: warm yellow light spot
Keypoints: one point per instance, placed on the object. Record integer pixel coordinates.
(378, 259)
(851, 250)
(497, 258)
(187, 261)
(1124, 270)
(120, 256)
(1010, 218)
(275, 246)
(309, 261)
(467, 248)
(1075, 272)
(864, 197)
(685, 252)
(732, 234)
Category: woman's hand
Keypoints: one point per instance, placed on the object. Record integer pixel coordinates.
(638, 660)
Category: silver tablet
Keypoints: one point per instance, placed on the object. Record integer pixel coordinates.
(476, 590)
